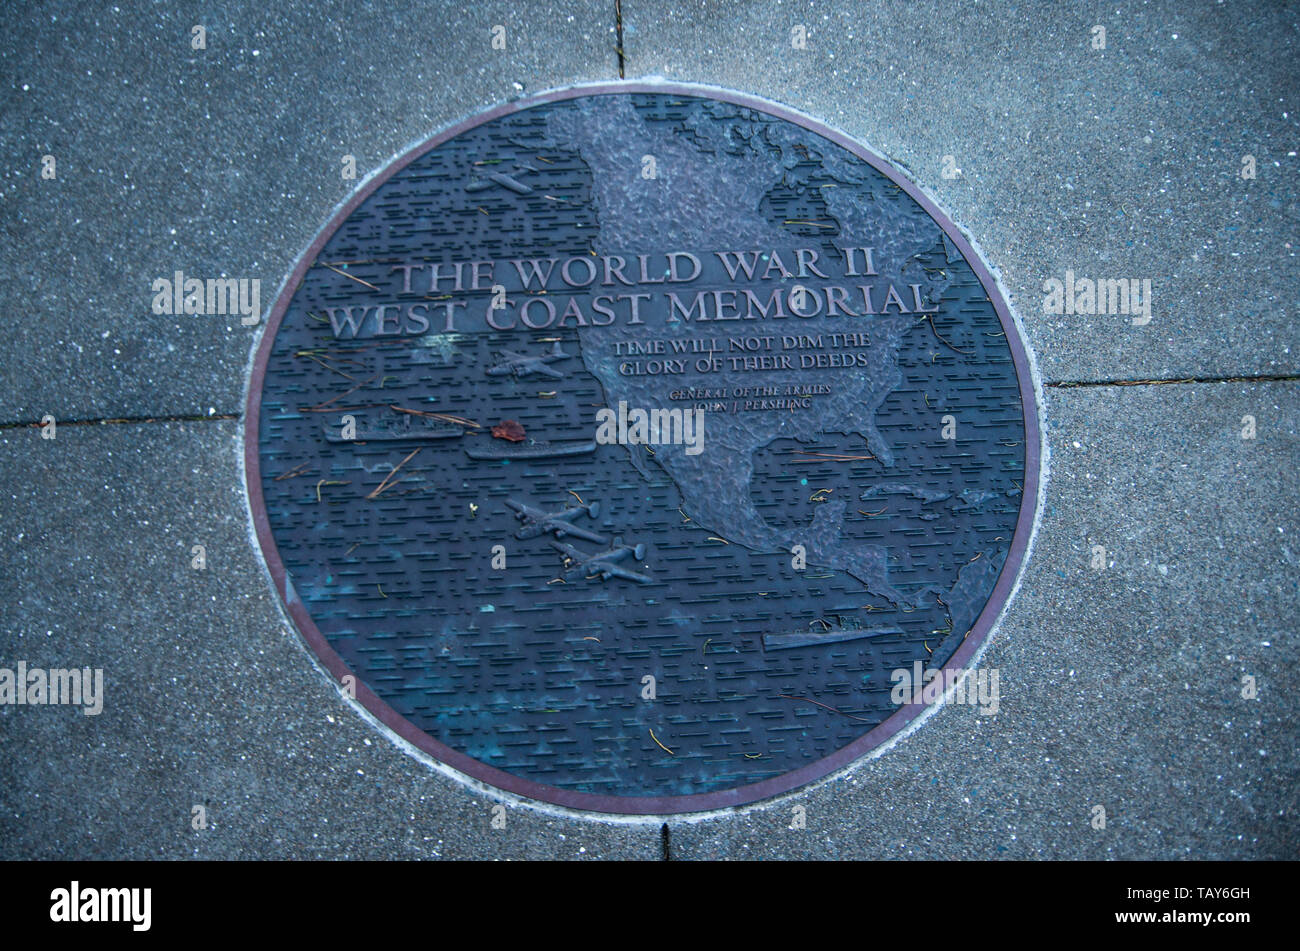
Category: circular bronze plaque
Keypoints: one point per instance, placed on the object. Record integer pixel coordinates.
(634, 447)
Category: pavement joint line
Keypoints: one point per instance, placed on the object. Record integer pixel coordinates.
(1262, 378)
(618, 29)
(125, 419)
(1050, 384)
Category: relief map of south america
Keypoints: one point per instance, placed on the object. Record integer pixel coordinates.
(448, 519)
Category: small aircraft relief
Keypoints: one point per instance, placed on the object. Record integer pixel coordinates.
(537, 522)
(603, 563)
(523, 364)
(486, 180)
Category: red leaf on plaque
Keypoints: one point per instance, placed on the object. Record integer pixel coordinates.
(509, 429)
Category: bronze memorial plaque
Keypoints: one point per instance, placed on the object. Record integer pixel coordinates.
(643, 448)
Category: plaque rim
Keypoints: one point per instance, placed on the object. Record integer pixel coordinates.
(873, 742)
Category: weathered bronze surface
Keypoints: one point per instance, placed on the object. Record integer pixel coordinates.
(703, 619)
